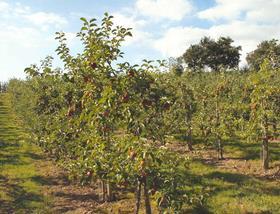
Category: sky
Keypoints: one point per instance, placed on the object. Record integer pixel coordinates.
(161, 28)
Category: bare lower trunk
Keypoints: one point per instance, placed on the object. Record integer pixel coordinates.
(265, 154)
(138, 197)
(274, 130)
(109, 192)
(190, 140)
(102, 191)
(219, 140)
(146, 197)
(220, 149)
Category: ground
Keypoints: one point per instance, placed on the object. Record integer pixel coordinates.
(30, 182)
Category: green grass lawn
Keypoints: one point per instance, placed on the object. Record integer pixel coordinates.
(236, 184)
(232, 192)
(19, 190)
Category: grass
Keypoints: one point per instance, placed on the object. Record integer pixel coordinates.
(236, 184)
(19, 192)
(231, 192)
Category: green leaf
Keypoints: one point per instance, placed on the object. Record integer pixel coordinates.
(84, 20)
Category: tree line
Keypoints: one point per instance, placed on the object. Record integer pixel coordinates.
(222, 54)
(109, 122)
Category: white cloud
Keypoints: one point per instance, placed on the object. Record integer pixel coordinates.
(176, 40)
(128, 20)
(248, 35)
(252, 10)
(21, 46)
(43, 19)
(26, 36)
(139, 36)
(21, 13)
(225, 9)
(3, 6)
(173, 10)
(248, 22)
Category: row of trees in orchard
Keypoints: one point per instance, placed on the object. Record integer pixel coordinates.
(223, 106)
(108, 121)
(103, 120)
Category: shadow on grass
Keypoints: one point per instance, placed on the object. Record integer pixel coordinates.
(17, 193)
(236, 148)
(73, 197)
(200, 209)
(4, 145)
(50, 180)
(8, 159)
(228, 187)
(78, 197)
(228, 177)
(251, 151)
(183, 139)
(19, 198)
(33, 156)
(11, 160)
(15, 159)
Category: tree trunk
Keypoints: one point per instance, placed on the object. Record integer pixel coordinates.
(265, 154)
(220, 149)
(189, 139)
(146, 197)
(274, 127)
(138, 197)
(102, 191)
(189, 129)
(219, 140)
(109, 192)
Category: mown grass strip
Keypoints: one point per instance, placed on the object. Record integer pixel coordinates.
(19, 191)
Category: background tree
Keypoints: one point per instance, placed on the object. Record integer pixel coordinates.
(269, 49)
(195, 56)
(3, 87)
(175, 65)
(212, 54)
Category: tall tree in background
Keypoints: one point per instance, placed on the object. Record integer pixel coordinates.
(194, 57)
(269, 49)
(212, 54)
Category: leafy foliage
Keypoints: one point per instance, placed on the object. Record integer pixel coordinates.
(102, 120)
(269, 50)
(213, 54)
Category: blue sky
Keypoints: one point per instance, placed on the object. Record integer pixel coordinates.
(161, 28)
